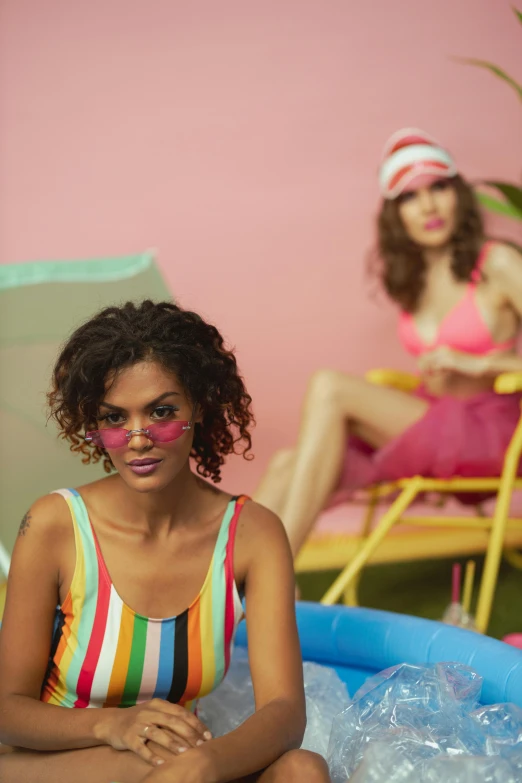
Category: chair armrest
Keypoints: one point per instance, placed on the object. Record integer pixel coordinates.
(508, 383)
(396, 379)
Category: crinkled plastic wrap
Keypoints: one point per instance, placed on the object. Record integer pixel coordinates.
(502, 727)
(233, 702)
(326, 696)
(385, 764)
(419, 723)
(408, 724)
(478, 769)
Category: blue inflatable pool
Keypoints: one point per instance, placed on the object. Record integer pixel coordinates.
(360, 642)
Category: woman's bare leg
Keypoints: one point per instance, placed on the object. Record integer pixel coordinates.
(91, 765)
(335, 402)
(105, 765)
(272, 490)
(296, 766)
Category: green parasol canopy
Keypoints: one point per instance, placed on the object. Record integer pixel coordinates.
(40, 305)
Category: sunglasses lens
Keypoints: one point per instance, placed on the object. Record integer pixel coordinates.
(108, 439)
(165, 431)
(116, 437)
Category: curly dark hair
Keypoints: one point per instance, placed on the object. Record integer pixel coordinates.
(398, 261)
(183, 343)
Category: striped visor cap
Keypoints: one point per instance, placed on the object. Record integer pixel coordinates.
(412, 157)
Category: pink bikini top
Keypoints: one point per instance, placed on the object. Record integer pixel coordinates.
(463, 329)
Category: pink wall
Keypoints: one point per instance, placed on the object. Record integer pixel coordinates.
(242, 139)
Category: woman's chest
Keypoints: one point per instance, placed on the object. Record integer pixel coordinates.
(463, 313)
(156, 581)
(152, 636)
(154, 578)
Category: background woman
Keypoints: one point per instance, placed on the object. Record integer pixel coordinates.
(460, 298)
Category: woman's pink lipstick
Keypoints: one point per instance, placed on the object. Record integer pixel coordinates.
(142, 467)
(434, 224)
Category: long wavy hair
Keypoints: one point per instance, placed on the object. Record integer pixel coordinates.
(183, 343)
(398, 261)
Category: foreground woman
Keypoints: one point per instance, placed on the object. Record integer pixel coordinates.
(148, 567)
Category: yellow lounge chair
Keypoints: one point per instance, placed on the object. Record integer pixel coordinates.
(465, 535)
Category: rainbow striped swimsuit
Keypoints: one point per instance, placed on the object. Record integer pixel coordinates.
(106, 655)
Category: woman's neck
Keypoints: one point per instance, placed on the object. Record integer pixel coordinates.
(438, 256)
(175, 505)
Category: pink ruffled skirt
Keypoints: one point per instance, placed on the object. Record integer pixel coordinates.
(456, 437)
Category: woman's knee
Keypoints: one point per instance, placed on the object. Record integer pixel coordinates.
(302, 765)
(325, 386)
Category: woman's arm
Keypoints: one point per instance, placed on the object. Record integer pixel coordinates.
(25, 638)
(496, 364)
(504, 270)
(45, 542)
(275, 660)
(444, 359)
(504, 267)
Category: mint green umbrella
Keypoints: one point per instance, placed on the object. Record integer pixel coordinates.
(40, 305)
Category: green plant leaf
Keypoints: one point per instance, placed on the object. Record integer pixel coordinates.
(518, 13)
(495, 70)
(499, 207)
(512, 193)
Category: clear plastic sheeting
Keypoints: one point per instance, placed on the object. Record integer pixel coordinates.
(408, 724)
(385, 764)
(502, 726)
(326, 697)
(409, 720)
(233, 702)
(469, 770)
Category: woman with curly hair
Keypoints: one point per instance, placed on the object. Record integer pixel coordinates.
(148, 567)
(460, 298)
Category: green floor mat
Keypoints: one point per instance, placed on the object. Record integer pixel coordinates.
(423, 589)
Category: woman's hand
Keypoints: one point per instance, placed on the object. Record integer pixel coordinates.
(444, 359)
(191, 767)
(168, 725)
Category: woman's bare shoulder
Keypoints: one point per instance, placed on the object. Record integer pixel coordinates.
(503, 267)
(261, 527)
(47, 518)
(501, 257)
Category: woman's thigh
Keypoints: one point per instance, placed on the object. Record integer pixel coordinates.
(90, 765)
(377, 414)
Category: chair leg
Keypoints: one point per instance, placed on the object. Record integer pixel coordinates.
(350, 595)
(370, 512)
(351, 571)
(498, 529)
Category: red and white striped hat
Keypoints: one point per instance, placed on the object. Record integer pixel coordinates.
(409, 155)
